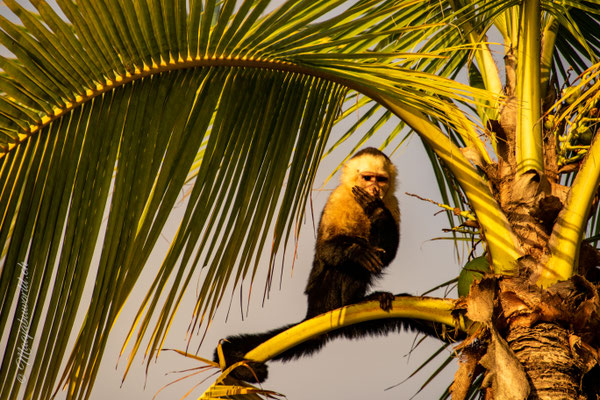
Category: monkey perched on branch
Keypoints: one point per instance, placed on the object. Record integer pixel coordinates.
(358, 236)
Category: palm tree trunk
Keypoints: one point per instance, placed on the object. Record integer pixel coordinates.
(547, 353)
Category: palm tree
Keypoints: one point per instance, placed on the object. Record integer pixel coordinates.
(108, 108)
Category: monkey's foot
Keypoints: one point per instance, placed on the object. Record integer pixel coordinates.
(385, 299)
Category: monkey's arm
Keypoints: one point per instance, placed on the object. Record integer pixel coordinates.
(345, 250)
(384, 233)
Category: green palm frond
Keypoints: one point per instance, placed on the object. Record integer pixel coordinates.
(574, 27)
(109, 109)
(150, 132)
(577, 40)
(103, 113)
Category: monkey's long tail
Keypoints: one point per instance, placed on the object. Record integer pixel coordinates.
(235, 347)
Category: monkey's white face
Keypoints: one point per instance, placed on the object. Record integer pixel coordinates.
(376, 183)
(372, 173)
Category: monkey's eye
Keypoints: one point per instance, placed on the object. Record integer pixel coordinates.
(368, 178)
(382, 179)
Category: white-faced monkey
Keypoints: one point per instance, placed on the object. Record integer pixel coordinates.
(358, 236)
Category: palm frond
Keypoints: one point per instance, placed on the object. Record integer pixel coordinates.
(104, 109)
(577, 40)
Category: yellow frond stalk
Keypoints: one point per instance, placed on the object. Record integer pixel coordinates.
(502, 242)
(568, 231)
(430, 309)
(529, 126)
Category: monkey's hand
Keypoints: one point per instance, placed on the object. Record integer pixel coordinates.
(385, 299)
(367, 256)
(367, 201)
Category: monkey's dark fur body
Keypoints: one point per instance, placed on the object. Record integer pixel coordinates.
(358, 236)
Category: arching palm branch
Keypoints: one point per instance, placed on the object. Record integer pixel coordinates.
(107, 108)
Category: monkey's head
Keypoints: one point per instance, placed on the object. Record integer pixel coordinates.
(371, 170)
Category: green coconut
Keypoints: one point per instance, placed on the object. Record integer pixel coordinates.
(473, 270)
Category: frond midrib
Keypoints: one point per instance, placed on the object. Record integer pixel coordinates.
(176, 65)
